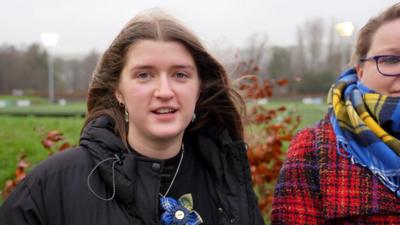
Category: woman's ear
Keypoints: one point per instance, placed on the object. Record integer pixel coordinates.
(118, 96)
(360, 71)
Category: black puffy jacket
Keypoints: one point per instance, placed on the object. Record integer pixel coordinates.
(56, 191)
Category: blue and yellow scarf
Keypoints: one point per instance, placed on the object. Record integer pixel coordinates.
(367, 128)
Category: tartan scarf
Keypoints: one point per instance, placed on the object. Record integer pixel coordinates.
(367, 128)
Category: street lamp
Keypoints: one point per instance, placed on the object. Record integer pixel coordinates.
(50, 40)
(345, 30)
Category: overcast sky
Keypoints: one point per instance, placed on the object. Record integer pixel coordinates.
(84, 25)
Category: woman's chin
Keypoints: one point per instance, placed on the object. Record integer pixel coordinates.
(167, 134)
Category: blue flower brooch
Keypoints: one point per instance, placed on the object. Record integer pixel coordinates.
(179, 212)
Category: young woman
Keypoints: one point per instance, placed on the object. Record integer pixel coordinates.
(346, 169)
(162, 141)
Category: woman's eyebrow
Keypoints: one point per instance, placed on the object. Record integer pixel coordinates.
(184, 66)
(389, 51)
(140, 67)
(177, 66)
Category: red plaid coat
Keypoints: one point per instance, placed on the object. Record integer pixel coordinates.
(318, 186)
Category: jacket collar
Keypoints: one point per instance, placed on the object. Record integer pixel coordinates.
(99, 139)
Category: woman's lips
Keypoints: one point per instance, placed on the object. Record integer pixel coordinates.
(165, 114)
(395, 93)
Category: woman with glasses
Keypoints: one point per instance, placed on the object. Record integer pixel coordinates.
(346, 169)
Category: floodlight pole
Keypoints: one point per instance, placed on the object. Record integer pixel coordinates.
(50, 40)
(50, 65)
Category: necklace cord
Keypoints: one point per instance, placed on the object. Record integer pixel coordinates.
(176, 173)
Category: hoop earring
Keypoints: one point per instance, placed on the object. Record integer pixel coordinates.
(126, 115)
(193, 117)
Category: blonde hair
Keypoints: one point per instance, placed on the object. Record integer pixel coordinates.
(366, 34)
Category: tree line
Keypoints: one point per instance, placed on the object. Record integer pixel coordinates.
(26, 69)
(311, 65)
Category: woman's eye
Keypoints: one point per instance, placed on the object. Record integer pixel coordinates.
(143, 76)
(390, 60)
(181, 75)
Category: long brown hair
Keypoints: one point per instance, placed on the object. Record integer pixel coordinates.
(218, 104)
(367, 32)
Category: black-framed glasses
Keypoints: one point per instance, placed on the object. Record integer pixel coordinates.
(387, 65)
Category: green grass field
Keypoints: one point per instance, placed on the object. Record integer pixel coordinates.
(309, 113)
(23, 135)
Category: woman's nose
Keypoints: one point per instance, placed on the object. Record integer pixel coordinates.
(164, 88)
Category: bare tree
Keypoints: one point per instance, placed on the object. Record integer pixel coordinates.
(313, 33)
(34, 69)
(299, 60)
(9, 67)
(87, 67)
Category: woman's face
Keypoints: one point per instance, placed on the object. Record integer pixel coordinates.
(159, 86)
(386, 41)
